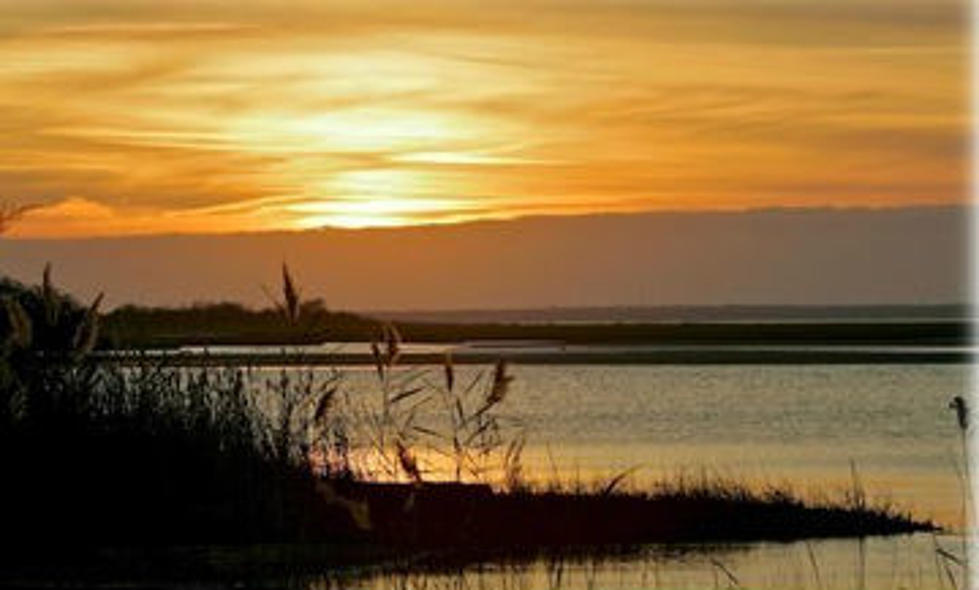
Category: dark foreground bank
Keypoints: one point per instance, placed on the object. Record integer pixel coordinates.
(360, 524)
(475, 518)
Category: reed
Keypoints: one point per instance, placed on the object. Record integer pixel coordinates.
(150, 453)
(963, 420)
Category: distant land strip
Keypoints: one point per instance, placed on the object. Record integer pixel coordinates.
(181, 328)
(904, 333)
(683, 313)
(688, 356)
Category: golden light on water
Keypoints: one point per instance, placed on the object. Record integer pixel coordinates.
(193, 117)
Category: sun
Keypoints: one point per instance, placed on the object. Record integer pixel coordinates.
(371, 198)
(363, 167)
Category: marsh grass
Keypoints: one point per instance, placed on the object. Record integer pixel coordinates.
(949, 561)
(152, 454)
(420, 424)
(148, 453)
(143, 452)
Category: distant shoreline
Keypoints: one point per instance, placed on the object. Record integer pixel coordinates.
(675, 356)
(637, 314)
(636, 343)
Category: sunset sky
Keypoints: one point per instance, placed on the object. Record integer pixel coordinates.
(135, 116)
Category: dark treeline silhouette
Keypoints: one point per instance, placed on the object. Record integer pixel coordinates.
(229, 323)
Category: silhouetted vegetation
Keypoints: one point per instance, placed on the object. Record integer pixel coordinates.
(149, 454)
(230, 323)
(479, 518)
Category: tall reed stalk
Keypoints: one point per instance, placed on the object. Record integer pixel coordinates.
(963, 421)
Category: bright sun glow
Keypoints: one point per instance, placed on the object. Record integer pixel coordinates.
(346, 131)
(357, 197)
(365, 198)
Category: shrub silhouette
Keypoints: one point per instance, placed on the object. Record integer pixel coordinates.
(146, 453)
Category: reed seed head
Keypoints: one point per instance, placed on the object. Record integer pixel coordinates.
(961, 408)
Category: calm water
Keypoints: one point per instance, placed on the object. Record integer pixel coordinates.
(798, 425)
(801, 425)
(907, 562)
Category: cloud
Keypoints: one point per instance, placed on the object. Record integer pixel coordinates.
(81, 217)
(491, 109)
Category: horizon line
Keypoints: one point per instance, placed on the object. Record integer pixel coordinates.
(966, 205)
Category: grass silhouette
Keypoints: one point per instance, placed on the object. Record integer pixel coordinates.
(153, 455)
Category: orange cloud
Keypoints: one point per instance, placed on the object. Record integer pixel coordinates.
(80, 217)
(179, 118)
